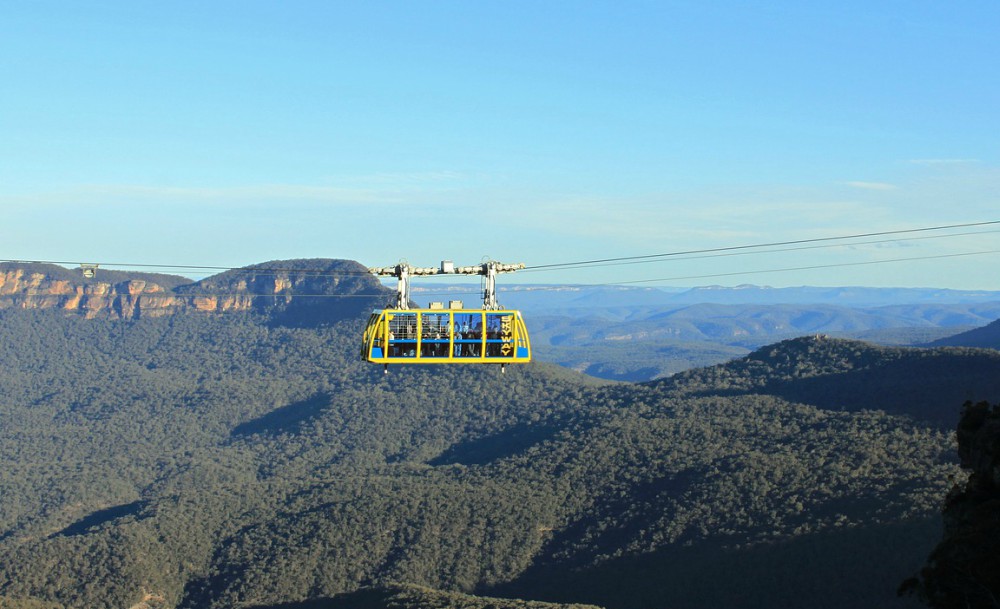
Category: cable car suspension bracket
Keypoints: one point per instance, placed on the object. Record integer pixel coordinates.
(403, 272)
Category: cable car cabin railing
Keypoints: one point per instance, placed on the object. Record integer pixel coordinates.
(435, 336)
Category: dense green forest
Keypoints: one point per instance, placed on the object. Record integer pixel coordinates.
(248, 459)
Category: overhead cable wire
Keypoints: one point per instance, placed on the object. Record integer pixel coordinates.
(537, 267)
(247, 294)
(805, 268)
(724, 254)
(759, 245)
(625, 260)
(247, 269)
(559, 287)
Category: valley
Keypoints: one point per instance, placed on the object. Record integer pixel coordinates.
(248, 458)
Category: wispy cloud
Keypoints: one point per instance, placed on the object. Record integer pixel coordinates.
(386, 189)
(239, 193)
(944, 161)
(436, 187)
(872, 185)
(404, 179)
(694, 220)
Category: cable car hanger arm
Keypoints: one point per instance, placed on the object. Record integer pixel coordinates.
(489, 270)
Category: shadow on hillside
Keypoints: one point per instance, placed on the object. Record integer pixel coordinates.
(612, 373)
(854, 568)
(510, 442)
(317, 312)
(412, 596)
(100, 517)
(287, 419)
(926, 388)
(362, 599)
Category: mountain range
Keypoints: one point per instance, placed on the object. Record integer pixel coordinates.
(694, 328)
(244, 456)
(612, 332)
(294, 288)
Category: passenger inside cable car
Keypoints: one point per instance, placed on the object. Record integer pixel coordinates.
(436, 335)
(432, 336)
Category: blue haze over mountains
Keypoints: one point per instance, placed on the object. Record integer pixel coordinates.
(643, 333)
(551, 296)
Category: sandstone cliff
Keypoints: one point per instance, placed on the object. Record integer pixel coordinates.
(291, 288)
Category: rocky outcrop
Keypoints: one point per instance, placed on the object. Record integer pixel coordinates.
(964, 569)
(287, 287)
(24, 288)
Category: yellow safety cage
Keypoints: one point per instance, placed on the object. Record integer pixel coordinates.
(436, 335)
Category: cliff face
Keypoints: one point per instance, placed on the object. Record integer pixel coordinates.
(964, 569)
(24, 289)
(286, 286)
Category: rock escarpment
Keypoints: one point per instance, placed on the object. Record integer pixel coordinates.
(309, 288)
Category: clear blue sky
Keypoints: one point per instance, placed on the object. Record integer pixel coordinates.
(230, 133)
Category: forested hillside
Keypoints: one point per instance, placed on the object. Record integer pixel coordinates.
(640, 343)
(987, 337)
(835, 374)
(249, 459)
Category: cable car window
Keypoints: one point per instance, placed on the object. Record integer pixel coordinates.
(468, 334)
(403, 335)
(499, 335)
(434, 334)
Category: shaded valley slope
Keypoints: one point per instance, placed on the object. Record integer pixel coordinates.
(248, 458)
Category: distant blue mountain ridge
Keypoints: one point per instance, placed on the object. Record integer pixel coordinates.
(552, 296)
(643, 333)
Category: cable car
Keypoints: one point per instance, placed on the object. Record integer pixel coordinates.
(436, 335)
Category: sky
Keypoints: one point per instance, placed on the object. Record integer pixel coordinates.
(231, 133)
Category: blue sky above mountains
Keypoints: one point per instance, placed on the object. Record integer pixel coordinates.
(229, 133)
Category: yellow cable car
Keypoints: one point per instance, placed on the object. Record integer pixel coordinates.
(436, 336)
(489, 335)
